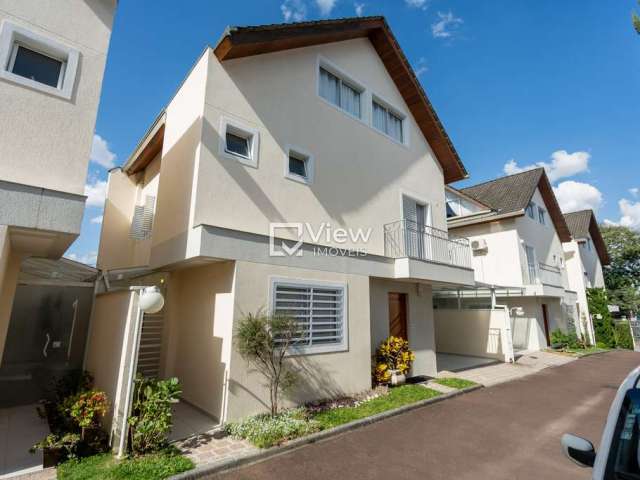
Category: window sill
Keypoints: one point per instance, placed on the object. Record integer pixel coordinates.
(297, 178)
(318, 350)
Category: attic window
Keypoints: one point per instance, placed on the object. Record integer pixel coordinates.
(340, 92)
(530, 210)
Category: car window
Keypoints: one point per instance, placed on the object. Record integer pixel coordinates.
(623, 462)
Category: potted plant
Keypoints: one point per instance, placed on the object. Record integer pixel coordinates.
(56, 449)
(393, 361)
(87, 409)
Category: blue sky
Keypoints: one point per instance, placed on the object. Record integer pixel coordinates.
(515, 82)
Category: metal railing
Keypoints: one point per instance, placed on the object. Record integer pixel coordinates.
(406, 238)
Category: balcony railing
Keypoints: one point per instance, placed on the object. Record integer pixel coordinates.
(545, 274)
(406, 238)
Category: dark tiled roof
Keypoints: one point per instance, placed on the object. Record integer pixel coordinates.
(238, 42)
(507, 194)
(513, 193)
(583, 224)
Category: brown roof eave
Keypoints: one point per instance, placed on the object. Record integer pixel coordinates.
(247, 41)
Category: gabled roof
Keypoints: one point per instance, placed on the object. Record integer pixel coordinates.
(583, 224)
(463, 195)
(247, 41)
(512, 194)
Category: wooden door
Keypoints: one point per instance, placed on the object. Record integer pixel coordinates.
(398, 315)
(545, 318)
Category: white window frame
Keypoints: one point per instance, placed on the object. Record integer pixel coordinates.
(395, 111)
(542, 216)
(343, 346)
(12, 36)
(309, 163)
(324, 63)
(243, 130)
(531, 210)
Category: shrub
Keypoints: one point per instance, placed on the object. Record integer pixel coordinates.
(88, 407)
(566, 340)
(264, 340)
(266, 430)
(603, 327)
(392, 354)
(623, 335)
(67, 442)
(150, 421)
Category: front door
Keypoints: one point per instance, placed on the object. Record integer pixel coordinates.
(398, 315)
(545, 318)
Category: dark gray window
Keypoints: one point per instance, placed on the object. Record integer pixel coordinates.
(297, 165)
(238, 145)
(36, 66)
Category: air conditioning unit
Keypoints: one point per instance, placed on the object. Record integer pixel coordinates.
(479, 245)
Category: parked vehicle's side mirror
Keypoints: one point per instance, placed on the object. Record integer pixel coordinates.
(578, 450)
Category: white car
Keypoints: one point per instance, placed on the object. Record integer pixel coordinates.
(619, 455)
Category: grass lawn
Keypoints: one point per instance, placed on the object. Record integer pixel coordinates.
(458, 383)
(107, 467)
(397, 397)
(584, 352)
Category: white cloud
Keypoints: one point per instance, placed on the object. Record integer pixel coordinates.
(630, 214)
(96, 192)
(293, 10)
(325, 6)
(421, 67)
(634, 191)
(359, 8)
(88, 258)
(417, 4)
(97, 219)
(101, 154)
(573, 196)
(563, 164)
(446, 26)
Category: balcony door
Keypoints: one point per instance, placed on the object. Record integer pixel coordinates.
(532, 270)
(417, 220)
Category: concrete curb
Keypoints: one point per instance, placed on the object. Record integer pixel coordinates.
(246, 459)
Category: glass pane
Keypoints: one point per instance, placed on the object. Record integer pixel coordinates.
(329, 87)
(297, 166)
(394, 127)
(379, 117)
(350, 100)
(238, 145)
(38, 67)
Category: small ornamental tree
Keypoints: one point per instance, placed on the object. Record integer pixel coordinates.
(264, 341)
(599, 307)
(87, 409)
(392, 354)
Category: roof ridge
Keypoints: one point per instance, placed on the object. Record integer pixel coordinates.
(537, 169)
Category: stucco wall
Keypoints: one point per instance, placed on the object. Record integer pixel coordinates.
(470, 332)
(107, 330)
(321, 375)
(48, 144)
(420, 324)
(199, 313)
(359, 173)
(577, 283)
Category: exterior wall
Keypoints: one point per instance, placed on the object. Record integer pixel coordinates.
(591, 263)
(578, 282)
(359, 172)
(199, 315)
(107, 335)
(9, 270)
(47, 145)
(321, 375)
(470, 332)
(420, 321)
(124, 192)
(528, 330)
(502, 243)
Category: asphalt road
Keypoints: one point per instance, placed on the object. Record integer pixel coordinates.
(510, 431)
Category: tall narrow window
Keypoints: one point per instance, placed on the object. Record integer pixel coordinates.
(340, 93)
(387, 122)
(531, 210)
(542, 216)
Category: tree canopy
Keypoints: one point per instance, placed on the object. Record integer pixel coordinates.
(622, 276)
(636, 20)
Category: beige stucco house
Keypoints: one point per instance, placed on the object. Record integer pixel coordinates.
(585, 256)
(517, 232)
(298, 169)
(50, 81)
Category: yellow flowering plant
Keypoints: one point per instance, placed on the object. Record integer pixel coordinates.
(392, 354)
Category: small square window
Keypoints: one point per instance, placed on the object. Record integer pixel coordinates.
(36, 66)
(299, 165)
(238, 145)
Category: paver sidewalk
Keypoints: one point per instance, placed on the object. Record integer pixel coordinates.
(527, 364)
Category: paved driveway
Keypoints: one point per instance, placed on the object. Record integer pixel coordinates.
(508, 431)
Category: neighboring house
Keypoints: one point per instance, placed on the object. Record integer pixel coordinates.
(52, 59)
(319, 126)
(516, 231)
(585, 255)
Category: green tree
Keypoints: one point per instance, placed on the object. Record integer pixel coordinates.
(622, 276)
(602, 321)
(636, 20)
(264, 340)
